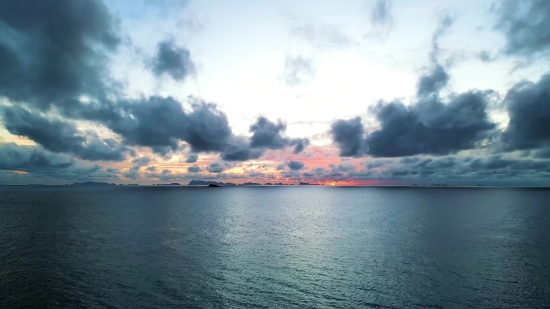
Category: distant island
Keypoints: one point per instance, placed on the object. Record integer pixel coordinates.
(213, 186)
(93, 183)
(207, 183)
(251, 184)
(168, 184)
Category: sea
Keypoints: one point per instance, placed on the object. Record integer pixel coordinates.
(274, 247)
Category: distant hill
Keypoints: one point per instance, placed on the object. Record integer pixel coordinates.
(227, 184)
(206, 183)
(251, 184)
(93, 183)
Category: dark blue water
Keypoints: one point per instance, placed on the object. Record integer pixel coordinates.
(274, 247)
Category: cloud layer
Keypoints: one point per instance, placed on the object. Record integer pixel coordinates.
(59, 96)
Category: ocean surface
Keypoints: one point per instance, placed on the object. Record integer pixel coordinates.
(274, 247)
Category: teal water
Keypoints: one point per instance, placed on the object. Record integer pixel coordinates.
(274, 247)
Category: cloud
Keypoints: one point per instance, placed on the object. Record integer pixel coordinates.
(43, 164)
(430, 127)
(528, 105)
(443, 27)
(432, 81)
(381, 17)
(53, 61)
(141, 161)
(343, 167)
(376, 164)
(436, 77)
(456, 169)
(322, 36)
(268, 134)
(57, 135)
(215, 168)
(348, 135)
(484, 56)
(54, 51)
(30, 159)
(298, 70)
(381, 12)
(192, 158)
(526, 27)
(172, 60)
(542, 154)
(296, 165)
(238, 149)
(137, 163)
(161, 122)
(194, 169)
(207, 128)
(300, 144)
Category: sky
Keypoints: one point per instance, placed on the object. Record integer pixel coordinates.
(355, 92)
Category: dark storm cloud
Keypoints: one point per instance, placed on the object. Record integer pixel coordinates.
(137, 163)
(43, 164)
(433, 81)
(542, 154)
(430, 127)
(215, 168)
(172, 60)
(194, 169)
(528, 105)
(300, 144)
(298, 70)
(238, 149)
(53, 58)
(463, 169)
(526, 27)
(296, 165)
(268, 134)
(30, 159)
(240, 154)
(207, 128)
(192, 158)
(53, 51)
(375, 164)
(343, 167)
(161, 122)
(349, 136)
(437, 128)
(141, 161)
(155, 122)
(57, 135)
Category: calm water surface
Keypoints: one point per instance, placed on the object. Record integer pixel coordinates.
(274, 247)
